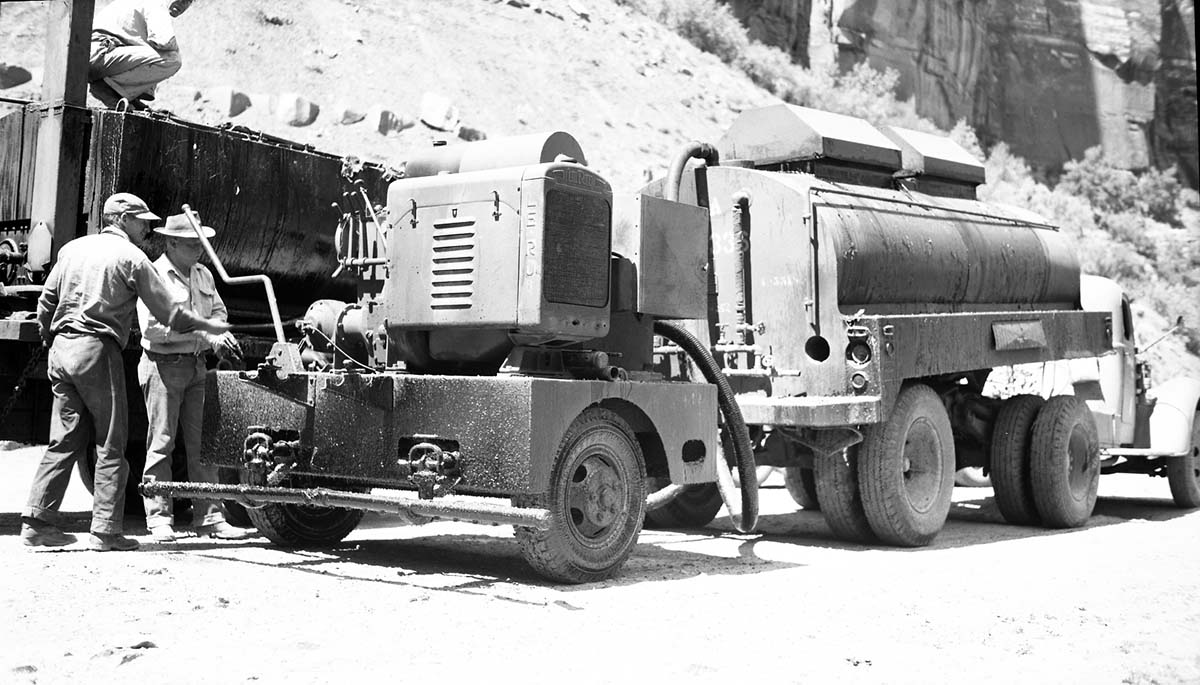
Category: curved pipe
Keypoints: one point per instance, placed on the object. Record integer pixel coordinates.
(734, 423)
(276, 322)
(694, 150)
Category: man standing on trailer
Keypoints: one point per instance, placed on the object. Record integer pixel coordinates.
(134, 49)
(172, 374)
(84, 316)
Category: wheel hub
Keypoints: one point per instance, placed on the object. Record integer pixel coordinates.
(596, 496)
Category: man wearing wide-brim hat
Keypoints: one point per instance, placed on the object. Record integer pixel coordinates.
(172, 374)
(84, 316)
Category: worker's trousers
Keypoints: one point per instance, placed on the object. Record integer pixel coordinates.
(132, 70)
(87, 378)
(173, 386)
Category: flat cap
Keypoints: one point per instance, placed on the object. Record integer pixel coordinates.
(128, 203)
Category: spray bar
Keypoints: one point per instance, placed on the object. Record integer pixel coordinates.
(474, 509)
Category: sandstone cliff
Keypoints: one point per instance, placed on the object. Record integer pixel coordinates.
(1050, 77)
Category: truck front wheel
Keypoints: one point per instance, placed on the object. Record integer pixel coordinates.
(1009, 459)
(1064, 462)
(1183, 473)
(597, 501)
(906, 469)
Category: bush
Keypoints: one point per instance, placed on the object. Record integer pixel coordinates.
(1131, 228)
(964, 134)
(707, 24)
(1113, 190)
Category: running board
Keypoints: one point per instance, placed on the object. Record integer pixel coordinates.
(460, 508)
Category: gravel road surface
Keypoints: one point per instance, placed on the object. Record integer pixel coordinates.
(1115, 602)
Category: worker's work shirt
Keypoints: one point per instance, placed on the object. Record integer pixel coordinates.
(138, 22)
(198, 292)
(94, 287)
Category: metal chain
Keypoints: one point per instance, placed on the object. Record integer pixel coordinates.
(19, 388)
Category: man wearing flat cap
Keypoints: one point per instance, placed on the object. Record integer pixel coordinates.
(172, 374)
(84, 316)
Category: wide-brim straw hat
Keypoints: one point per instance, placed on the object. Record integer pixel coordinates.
(178, 226)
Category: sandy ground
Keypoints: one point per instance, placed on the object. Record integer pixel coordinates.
(1116, 602)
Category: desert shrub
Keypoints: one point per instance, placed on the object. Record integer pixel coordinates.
(964, 134)
(1153, 193)
(1173, 300)
(771, 69)
(707, 24)
(1131, 228)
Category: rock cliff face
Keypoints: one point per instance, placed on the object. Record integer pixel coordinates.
(1050, 77)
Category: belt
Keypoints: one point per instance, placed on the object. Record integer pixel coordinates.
(174, 357)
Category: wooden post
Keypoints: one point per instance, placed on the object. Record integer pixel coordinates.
(62, 139)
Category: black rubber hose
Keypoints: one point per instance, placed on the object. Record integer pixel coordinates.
(734, 423)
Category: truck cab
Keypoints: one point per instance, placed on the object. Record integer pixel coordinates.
(1143, 428)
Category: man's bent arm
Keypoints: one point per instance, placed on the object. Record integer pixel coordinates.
(47, 304)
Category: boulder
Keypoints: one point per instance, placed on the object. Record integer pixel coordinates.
(438, 113)
(224, 101)
(469, 133)
(296, 110)
(387, 122)
(12, 75)
(347, 114)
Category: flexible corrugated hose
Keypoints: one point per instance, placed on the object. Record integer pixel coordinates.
(735, 427)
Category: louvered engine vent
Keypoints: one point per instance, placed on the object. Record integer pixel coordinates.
(453, 264)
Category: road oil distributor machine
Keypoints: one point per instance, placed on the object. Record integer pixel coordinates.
(527, 348)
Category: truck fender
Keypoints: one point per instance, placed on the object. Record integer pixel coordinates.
(1176, 405)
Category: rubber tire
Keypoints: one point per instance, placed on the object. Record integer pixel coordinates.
(801, 484)
(299, 525)
(888, 489)
(1009, 459)
(1064, 426)
(235, 513)
(564, 553)
(694, 507)
(841, 501)
(1183, 473)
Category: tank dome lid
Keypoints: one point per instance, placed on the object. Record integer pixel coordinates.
(788, 133)
(926, 154)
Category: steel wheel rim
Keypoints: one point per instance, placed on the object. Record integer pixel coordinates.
(595, 497)
(921, 465)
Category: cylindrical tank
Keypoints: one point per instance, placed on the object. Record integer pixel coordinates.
(939, 251)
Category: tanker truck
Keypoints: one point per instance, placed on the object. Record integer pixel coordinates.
(861, 296)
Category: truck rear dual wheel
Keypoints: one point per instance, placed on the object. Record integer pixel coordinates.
(1064, 462)
(1183, 473)
(906, 469)
(597, 502)
(836, 484)
(1009, 459)
(801, 484)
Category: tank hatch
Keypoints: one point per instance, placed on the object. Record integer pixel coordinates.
(935, 164)
(792, 138)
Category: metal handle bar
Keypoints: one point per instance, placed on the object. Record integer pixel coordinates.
(237, 280)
